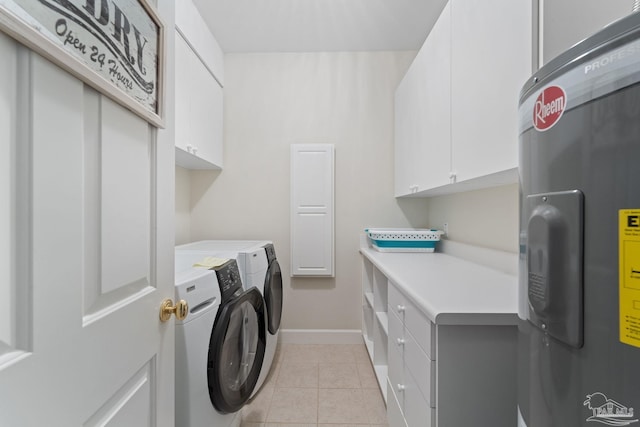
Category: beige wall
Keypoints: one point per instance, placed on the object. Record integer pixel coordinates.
(183, 206)
(486, 218)
(274, 100)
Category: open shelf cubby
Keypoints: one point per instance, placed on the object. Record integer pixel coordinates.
(375, 323)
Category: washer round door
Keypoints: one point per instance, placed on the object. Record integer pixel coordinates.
(236, 351)
(273, 296)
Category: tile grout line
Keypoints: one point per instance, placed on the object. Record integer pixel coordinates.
(318, 396)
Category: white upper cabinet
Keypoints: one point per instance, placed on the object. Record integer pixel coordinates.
(491, 45)
(564, 23)
(190, 24)
(199, 96)
(456, 108)
(423, 115)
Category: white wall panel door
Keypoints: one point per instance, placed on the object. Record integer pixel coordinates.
(84, 226)
(312, 212)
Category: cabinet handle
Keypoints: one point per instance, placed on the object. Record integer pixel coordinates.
(400, 341)
(194, 150)
(400, 387)
(189, 148)
(401, 308)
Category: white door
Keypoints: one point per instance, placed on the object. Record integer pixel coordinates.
(86, 250)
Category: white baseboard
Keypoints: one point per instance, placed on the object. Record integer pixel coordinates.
(320, 336)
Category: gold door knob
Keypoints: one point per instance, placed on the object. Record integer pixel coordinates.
(167, 309)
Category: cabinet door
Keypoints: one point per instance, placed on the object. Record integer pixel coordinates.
(423, 115)
(183, 92)
(491, 46)
(564, 23)
(417, 411)
(394, 412)
(191, 24)
(206, 109)
(395, 353)
(199, 115)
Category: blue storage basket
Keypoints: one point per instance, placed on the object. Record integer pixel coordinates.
(403, 239)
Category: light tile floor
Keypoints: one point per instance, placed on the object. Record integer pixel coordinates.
(318, 385)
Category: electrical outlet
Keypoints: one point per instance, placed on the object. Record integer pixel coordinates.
(445, 228)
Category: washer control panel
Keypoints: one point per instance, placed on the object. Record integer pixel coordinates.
(228, 278)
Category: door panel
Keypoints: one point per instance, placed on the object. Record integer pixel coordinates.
(126, 197)
(8, 109)
(128, 405)
(80, 283)
(118, 221)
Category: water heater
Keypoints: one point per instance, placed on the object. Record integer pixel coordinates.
(579, 275)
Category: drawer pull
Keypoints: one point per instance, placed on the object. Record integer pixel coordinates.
(400, 341)
(400, 387)
(401, 308)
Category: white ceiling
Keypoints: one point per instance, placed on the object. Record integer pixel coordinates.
(319, 25)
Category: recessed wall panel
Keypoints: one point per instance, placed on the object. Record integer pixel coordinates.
(311, 247)
(312, 178)
(311, 185)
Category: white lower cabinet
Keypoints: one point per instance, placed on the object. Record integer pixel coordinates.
(375, 323)
(410, 369)
(455, 370)
(394, 412)
(421, 368)
(417, 412)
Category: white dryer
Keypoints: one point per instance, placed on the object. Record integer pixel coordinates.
(219, 346)
(259, 268)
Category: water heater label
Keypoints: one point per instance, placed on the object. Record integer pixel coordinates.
(583, 80)
(629, 276)
(549, 107)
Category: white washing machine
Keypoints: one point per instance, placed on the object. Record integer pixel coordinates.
(219, 346)
(259, 268)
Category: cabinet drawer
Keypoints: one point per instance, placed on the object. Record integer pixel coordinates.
(421, 329)
(397, 301)
(415, 321)
(395, 373)
(417, 412)
(396, 332)
(395, 416)
(421, 368)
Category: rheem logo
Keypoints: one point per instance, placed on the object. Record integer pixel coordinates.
(549, 108)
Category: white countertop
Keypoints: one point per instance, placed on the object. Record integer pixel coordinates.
(450, 290)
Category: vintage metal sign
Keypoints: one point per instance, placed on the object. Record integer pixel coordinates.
(120, 40)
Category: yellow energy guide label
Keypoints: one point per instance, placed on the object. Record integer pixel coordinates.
(629, 259)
